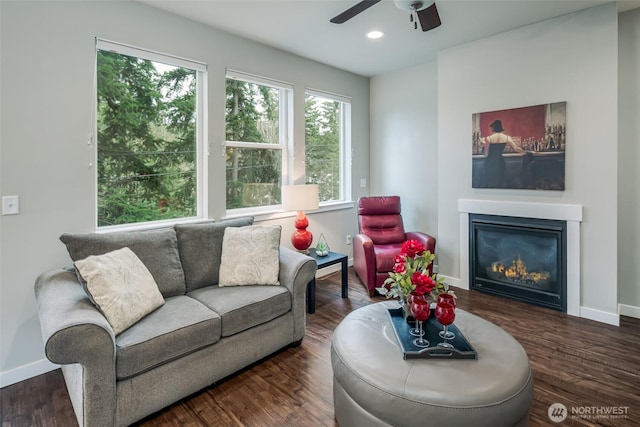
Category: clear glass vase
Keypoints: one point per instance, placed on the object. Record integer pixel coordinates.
(406, 310)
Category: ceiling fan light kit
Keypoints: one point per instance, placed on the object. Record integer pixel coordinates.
(409, 5)
(419, 12)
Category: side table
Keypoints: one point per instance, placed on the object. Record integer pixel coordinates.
(326, 261)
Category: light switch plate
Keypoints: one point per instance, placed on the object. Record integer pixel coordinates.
(10, 205)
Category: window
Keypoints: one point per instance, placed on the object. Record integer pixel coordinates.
(257, 129)
(327, 144)
(149, 136)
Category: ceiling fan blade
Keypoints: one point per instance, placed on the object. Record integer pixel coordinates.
(429, 18)
(353, 11)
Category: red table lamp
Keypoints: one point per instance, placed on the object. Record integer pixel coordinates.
(300, 198)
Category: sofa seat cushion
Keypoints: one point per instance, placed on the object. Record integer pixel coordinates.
(181, 326)
(385, 255)
(244, 307)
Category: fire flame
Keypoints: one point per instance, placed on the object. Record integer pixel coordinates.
(518, 271)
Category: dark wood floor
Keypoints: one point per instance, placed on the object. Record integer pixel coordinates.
(582, 364)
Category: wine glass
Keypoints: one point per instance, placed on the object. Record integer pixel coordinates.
(445, 314)
(420, 309)
(414, 331)
(448, 298)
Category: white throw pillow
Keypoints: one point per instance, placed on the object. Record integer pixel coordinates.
(250, 256)
(121, 287)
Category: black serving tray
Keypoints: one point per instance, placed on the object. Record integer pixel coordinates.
(461, 347)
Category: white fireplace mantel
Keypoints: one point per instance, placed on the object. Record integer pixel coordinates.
(572, 214)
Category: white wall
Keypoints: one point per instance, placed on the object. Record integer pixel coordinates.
(48, 59)
(629, 159)
(404, 143)
(573, 58)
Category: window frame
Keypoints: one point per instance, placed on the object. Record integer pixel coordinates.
(285, 130)
(345, 143)
(202, 151)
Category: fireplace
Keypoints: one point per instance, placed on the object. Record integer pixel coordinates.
(520, 258)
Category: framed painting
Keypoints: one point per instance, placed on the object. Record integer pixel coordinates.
(520, 148)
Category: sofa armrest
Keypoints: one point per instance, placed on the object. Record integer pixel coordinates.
(296, 271)
(75, 332)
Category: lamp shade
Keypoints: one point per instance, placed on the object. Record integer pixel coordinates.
(300, 197)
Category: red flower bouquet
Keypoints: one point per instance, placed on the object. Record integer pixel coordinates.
(410, 274)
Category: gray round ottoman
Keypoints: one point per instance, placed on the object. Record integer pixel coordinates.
(374, 386)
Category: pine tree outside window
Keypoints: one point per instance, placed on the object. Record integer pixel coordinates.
(327, 145)
(150, 133)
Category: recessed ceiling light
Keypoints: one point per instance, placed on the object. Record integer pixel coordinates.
(375, 34)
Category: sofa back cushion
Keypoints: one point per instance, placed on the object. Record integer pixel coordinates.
(157, 249)
(200, 247)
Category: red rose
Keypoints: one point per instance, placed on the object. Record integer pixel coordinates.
(424, 283)
(413, 248)
(399, 267)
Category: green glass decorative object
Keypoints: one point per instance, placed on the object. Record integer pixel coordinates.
(322, 248)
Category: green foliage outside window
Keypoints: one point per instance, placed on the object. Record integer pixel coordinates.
(147, 144)
(254, 174)
(322, 146)
(146, 140)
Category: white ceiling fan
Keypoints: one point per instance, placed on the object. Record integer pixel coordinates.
(420, 11)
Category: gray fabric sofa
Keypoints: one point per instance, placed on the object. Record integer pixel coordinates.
(202, 333)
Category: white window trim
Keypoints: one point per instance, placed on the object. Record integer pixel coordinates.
(252, 78)
(244, 144)
(202, 152)
(151, 55)
(276, 212)
(346, 155)
(328, 95)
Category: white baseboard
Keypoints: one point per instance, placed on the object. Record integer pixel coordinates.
(456, 282)
(586, 312)
(629, 310)
(25, 372)
(600, 316)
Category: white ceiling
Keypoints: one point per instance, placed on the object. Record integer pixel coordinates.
(302, 27)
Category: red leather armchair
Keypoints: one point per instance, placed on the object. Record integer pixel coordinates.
(380, 239)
